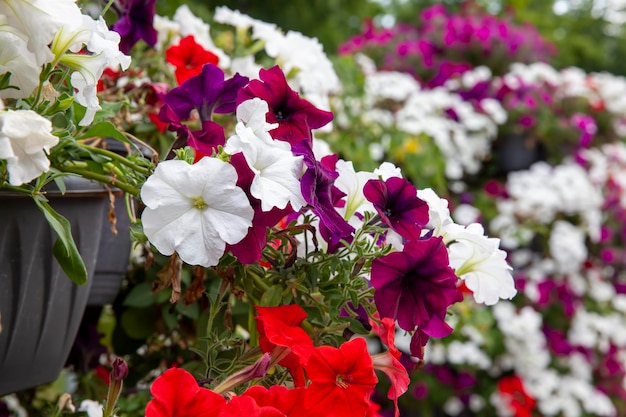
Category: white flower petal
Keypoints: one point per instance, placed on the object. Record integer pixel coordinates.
(195, 210)
(25, 139)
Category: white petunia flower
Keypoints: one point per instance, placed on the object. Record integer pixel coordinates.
(37, 22)
(25, 139)
(21, 63)
(91, 407)
(195, 210)
(567, 247)
(351, 183)
(276, 170)
(103, 45)
(438, 212)
(478, 261)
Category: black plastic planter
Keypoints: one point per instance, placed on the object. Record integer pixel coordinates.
(40, 307)
(113, 257)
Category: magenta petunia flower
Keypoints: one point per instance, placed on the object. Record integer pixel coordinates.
(135, 22)
(416, 286)
(295, 116)
(397, 203)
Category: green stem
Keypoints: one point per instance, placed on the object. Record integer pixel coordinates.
(258, 281)
(117, 158)
(106, 8)
(103, 179)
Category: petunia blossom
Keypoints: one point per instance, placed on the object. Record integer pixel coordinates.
(319, 192)
(295, 116)
(250, 249)
(288, 401)
(176, 393)
(389, 361)
(478, 261)
(88, 68)
(37, 22)
(20, 62)
(342, 380)
(207, 92)
(279, 327)
(276, 170)
(135, 22)
(195, 210)
(396, 202)
(416, 286)
(25, 139)
(188, 57)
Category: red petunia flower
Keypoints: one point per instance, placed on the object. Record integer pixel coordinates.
(342, 380)
(177, 394)
(512, 390)
(288, 401)
(388, 362)
(247, 406)
(280, 327)
(188, 57)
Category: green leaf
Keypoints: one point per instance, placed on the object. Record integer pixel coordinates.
(192, 310)
(105, 130)
(138, 323)
(272, 297)
(140, 296)
(109, 110)
(64, 248)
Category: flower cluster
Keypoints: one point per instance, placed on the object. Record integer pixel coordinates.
(444, 44)
(559, 112)
(435, 134)
(554, 136)
(286, 259)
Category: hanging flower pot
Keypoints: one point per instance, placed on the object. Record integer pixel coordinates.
(113, 257)
(40, 307)
(517, 151)
(115, 243)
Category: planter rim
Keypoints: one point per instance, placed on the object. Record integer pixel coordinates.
(76, 187)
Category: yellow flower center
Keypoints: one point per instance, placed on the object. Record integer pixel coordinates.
(199, 203)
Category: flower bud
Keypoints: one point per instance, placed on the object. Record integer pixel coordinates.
(119, 370)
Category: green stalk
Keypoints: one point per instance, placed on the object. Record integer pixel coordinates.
(117, 158)
(103, 179)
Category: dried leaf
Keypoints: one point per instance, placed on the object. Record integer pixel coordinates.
(111, 215)
(170, 275)
(196, 289)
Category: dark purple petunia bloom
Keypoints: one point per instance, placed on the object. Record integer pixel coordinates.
(416, 286)
(206, 92)
(135, 22)
(318, 190)
(397, 203)
(295, 116)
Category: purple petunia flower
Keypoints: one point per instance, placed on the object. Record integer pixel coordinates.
(295, 116)
(397, 203)
(135, 22)
(206, 92)
(416, 286)
(317, 185)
